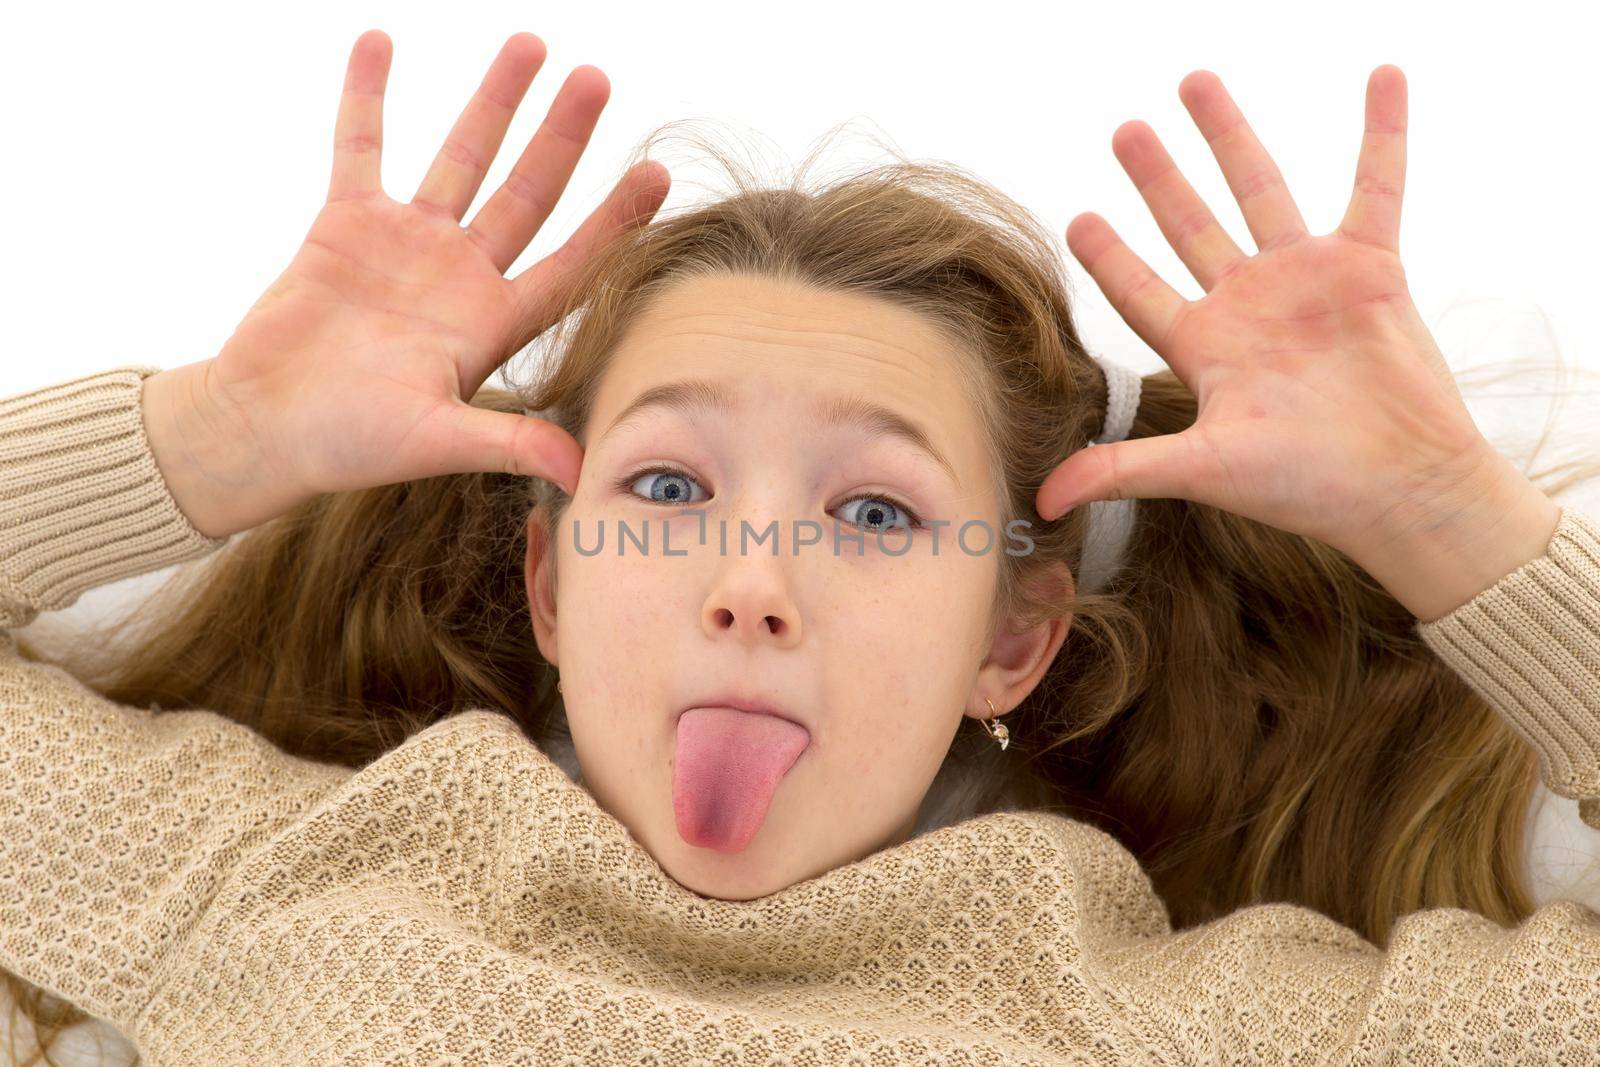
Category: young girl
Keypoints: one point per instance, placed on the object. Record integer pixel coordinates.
(797, 496)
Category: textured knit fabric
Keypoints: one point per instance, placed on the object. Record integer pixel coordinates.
(460, 900)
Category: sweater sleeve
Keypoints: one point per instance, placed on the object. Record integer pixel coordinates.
(1284, 983)
(117, 824)
(1530, 646)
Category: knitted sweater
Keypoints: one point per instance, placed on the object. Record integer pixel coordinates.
(461, 900)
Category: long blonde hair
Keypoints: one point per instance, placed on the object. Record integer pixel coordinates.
(1246, 710)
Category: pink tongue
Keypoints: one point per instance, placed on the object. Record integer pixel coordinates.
(728, 765)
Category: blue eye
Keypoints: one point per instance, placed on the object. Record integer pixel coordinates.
(880, 513)
(669, 485)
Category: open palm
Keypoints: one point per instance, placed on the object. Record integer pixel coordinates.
(356, 366)
(1323, 400)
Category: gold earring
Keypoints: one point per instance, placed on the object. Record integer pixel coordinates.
(998, 730)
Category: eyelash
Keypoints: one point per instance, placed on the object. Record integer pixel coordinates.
(625, 484)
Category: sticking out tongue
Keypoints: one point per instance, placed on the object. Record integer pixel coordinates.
(728, 765)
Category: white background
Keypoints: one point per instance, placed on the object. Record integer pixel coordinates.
(163, 161)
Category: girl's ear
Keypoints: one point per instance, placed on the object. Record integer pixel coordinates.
(538, 569)
(1017, 660)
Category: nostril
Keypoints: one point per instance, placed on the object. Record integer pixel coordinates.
(773, 623)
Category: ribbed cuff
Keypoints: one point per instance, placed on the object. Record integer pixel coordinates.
(82, 502)
(1530, 644)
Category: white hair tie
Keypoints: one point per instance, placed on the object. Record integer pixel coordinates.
(1122, 400)
(1110, 521)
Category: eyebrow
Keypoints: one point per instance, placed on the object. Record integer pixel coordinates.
(692, 396)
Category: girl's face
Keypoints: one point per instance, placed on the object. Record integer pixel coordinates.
(804, 591)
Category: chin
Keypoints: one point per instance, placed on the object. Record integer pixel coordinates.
(723, 876)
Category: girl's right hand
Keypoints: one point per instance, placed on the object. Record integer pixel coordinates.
(356, 366)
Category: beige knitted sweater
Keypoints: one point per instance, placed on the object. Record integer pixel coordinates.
(461, 900)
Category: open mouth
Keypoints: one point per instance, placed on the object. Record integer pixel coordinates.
(751, 705)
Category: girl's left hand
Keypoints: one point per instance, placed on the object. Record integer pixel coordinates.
(1325, 407)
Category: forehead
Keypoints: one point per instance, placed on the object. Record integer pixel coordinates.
(778, 343)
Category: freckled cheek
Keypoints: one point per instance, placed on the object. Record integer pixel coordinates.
(620, 624)
(890, 719)
(898, 640)
(935, 590)
(606, 596)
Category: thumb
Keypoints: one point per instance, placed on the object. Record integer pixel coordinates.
(1144, 467)
(503, 442)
